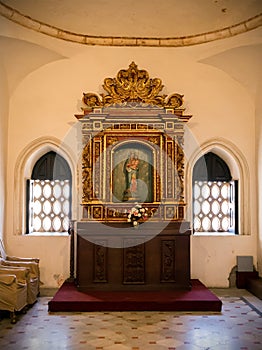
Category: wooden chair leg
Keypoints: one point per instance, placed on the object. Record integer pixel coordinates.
(12, 317)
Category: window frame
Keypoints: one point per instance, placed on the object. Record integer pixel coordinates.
(22, 172)
(232, 203)
(51, 167)
(239, 169)
(208, 170)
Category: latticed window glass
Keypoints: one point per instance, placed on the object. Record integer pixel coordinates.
(49, 195)
(214, 206)
(215, 196)
(50, 205)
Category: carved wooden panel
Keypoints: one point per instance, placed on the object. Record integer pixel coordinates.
(100, 262)
(87, 171)
(179, 185)
(170, 212)
(167, 260)
(97, 166)
(170, 169)
(97, 212)
(134, 264)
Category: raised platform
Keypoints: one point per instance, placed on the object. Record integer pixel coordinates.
(199, 298)
(254, 286)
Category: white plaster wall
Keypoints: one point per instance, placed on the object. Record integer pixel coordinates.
(259, 172)
(213, 258)
(53, 253)
(4, 98)
(44, 104)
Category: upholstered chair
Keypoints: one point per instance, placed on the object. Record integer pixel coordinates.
(4, 255)
(13, 290)
(31, 263)
(32, 280)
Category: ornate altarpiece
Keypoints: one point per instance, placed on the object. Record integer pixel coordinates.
(132, 139)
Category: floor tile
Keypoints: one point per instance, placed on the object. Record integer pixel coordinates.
(237, 327)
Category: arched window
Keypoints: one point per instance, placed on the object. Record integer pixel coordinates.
(215, 196)
(49, 195)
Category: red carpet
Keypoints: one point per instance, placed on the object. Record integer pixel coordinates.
(199, 298)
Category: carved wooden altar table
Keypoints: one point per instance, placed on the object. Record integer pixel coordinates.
(146, 262)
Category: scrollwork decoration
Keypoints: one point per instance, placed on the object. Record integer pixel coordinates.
(175, 101)
(131, 85)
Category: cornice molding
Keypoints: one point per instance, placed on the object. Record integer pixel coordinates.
(44, 28)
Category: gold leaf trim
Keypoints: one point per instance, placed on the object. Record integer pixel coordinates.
(131, 85)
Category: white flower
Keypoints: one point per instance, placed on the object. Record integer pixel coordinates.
(136, 213)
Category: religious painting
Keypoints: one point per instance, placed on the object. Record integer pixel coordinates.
(132, 174)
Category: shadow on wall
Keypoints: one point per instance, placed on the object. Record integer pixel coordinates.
(232, 277)
(59, 279)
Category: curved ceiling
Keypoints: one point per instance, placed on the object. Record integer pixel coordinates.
(136, 22)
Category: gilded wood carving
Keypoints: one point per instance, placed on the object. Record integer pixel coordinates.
(132, 149)
(131, 85)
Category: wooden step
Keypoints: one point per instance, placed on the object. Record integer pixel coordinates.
(254, 286)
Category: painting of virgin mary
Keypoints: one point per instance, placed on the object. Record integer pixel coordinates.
(132, 174)
(131, 169)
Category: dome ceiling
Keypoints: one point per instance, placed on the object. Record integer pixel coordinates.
(80, 20)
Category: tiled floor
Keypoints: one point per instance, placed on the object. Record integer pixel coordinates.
(238, 326)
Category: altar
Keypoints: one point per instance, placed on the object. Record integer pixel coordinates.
(132, 234)
(144, 263)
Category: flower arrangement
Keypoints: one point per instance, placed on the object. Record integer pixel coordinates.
(136, 214)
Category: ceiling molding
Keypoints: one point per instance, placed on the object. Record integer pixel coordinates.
(44, 28)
